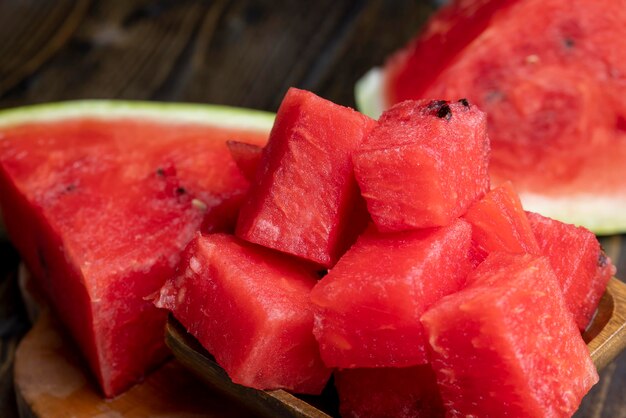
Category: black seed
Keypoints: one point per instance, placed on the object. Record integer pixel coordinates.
(160, 172)
(464, 102)
(602, 259)
(70, 187)
(436, 104)
(569, 43)
(180, 190)
(444, 112)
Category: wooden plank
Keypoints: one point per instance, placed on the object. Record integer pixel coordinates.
(31, 32)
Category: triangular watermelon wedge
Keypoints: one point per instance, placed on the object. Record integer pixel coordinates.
(101, 197)
(549, 73)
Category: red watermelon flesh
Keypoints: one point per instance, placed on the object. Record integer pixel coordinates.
(506, 344)
(582, 268)
(409, 392)
(424, 164)
(499, 223)
(246, 156)
(100, 211)
(548, 74)
(367, 308)
(249, 307)
(304, 198)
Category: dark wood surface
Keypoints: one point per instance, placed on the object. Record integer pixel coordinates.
(240, 52)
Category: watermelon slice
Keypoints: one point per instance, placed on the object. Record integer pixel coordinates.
(499, 223)
(249, 307)
(582, 268)
(304, 198)
(506, 344)
(409, 392)
(424, 164)
(367, 308)
(101, 197)
(548, 74)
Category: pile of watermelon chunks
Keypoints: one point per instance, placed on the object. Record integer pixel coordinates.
(437, 295)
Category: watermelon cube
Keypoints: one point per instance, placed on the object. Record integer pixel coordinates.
(367, 308)
(246, 156)
(580, 265)
(499, 223)
(100, 209)
(424, 164)
(249, 307)
(304, 198)
(506, 345)
(408, 392)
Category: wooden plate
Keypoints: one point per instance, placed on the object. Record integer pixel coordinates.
(605, 337)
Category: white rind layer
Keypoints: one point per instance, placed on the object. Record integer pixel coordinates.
(212, 115)
(369, 94)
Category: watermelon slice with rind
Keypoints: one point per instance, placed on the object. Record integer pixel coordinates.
(100, 198)
(548, 75)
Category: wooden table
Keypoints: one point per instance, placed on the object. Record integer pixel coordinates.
(241, 53)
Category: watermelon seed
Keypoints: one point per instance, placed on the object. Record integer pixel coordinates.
(569, 43)
(180, 190)
(70, 188)
(160, 172)
(199, 204)
(464, 102)
(602, 259)
(444, 112)
(436, 104)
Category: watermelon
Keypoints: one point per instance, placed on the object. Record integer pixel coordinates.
(100, 198)
(409, 392)
(304, 196)
(580, 264)
(506, 345)
(249, 307)
(499, 223)
(367, 308)
(424, 164)
(246, 156)
(549, 75)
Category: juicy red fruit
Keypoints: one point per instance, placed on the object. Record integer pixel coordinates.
(424, 164)
(304, 200)
(367, 308)
(100, 211)
(499, 223)
(249, 307)
(409, 392)
(580, 264)
(506, 344)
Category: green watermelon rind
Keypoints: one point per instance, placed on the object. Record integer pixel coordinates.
(174, 113)
(602, 214)
(203, 114)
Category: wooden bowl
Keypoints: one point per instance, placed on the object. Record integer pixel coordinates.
(605, 337)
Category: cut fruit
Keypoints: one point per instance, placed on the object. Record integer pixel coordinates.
(547, 74)
(367, 308)
(499, 223)
(409, 392)
(249, 307)
(424, 164)
(246, 156)
(506, 345)
(303, 199)
(580, 265)
(101, 197)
